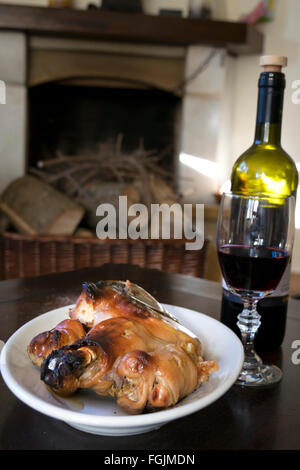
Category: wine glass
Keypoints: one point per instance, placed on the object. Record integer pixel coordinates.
(254, 241)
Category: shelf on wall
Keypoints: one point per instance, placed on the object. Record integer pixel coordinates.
(237, 38)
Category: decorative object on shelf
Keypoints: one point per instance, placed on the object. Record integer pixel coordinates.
(166, 7)
(200, 9)
(262, 13)
(60, 3)
(129, 6)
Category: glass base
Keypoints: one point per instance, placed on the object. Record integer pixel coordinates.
(254, 373)
(262, 376)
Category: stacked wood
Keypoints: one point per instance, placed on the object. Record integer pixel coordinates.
(35, 207)
(162, 192)
(94, 178)
(106, 192)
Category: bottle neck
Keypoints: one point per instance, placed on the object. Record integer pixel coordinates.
(269, 108)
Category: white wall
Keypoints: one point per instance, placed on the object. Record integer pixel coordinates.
(202, 115)
(13, 114)
(282, 37)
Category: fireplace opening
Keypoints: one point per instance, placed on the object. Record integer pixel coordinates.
(69, 119)
(96, 144)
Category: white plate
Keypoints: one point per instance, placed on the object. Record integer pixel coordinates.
(94, 414)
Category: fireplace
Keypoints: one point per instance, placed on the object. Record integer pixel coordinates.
(192, 112)
(72, 95)
(76, 119)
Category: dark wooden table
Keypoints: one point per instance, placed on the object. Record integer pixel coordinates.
(241, 419)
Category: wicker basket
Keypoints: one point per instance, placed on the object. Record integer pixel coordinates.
(31, 256)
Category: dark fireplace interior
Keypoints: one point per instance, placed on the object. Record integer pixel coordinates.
(69, 119)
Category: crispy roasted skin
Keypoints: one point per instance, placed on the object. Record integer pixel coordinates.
(121, 358)
(127, 353)
(99, 302)
(66, 332)
(161, 378)
(90, 359)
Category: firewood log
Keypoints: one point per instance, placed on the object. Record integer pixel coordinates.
(34, 207)
(162, 192)
(107, 192)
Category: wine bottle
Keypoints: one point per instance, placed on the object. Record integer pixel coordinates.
(265, 169)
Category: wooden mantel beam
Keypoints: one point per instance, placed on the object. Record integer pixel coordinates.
(238, 38)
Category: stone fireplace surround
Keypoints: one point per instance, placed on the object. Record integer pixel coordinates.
(203, 157)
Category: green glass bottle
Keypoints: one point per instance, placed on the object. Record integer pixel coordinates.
(265, 169)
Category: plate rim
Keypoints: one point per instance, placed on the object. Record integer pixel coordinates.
(73, 416)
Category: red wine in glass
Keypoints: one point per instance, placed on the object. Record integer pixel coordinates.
(254, 241)
(256, 269)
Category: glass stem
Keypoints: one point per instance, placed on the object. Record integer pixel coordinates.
(248, 323)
